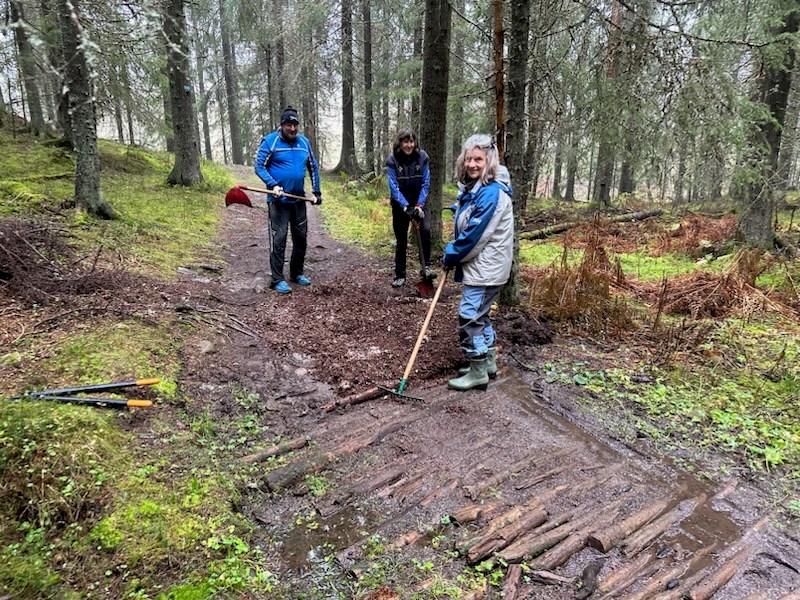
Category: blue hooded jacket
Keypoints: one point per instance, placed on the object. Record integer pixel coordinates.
(284, 163)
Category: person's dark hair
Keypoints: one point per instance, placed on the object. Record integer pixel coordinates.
(403, 135)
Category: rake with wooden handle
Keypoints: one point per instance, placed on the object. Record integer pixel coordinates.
(236, 195)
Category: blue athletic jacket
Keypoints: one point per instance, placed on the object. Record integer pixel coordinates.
(484, 235)
(280, 162)
(409, 183)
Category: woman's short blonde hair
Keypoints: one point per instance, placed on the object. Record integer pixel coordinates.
(483, 142)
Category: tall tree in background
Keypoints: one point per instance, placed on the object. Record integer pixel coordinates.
(80, 99)
(435, 85)
(186, 170)
(515, 133)
(27, 64)
(347, 161)
(498, 49)
(369, 117)
(232, 94)
(777, 63)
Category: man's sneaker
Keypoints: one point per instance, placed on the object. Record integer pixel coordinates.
(301, 280)
(282, 287)
(398, 281)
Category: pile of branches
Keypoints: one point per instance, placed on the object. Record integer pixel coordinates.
(581, 296)
(38, 267)
(699, 235)
(702, 295)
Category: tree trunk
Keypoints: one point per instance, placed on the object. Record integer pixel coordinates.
(186, 170)
(369, 118)
(558, 163)
(27, 67)
(78, 78)
(498, 46)
(347, 161)
(789, 134)
(204, 96)
(280, 58)
(756, 226)
(308, 102)
(231, 93)
(515, 134)
(414, 118)
(435, 82)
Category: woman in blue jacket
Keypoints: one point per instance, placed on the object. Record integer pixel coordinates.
(481, 253)
(409, 181)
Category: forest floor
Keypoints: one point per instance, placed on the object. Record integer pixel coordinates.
(519, 491)
(406, 494)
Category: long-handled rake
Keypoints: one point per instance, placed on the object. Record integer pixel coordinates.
(404, 381)
(236, 195)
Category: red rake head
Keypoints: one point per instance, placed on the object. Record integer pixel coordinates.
(236, 195)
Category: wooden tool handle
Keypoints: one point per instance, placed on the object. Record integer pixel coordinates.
(271, 193)
(424, 329)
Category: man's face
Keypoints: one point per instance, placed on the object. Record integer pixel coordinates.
(289, 131)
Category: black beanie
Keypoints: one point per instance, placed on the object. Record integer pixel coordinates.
(289, 115)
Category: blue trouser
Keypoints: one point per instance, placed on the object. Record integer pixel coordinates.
(282, 216)
(475, 330)
(400, 222)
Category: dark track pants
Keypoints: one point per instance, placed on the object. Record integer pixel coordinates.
(400, 223)
(284, 216)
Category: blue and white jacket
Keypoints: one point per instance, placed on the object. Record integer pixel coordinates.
(284, 163)
(410, 182)
(483, 225)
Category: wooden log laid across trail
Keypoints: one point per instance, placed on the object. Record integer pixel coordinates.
(639, 540)
(540, 234)
(368, 394)
(473, 512)
(276, 450)
(475, 490)
(714, 582)
(604, 540)
(503, 537)
(438, 492)
(615, 581)
(658, 582)
(498, 522)
(511, 585)
(532, 480)
(575, 542)
(548, 578)
(641, 574)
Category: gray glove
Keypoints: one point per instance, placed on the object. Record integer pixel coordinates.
(277, 191)
(318, 196)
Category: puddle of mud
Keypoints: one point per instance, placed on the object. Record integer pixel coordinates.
(309, 542)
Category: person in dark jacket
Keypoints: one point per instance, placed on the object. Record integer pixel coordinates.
(481, 254)
(282, 161)
(409, 180)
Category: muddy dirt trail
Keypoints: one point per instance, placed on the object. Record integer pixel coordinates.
(510, 472)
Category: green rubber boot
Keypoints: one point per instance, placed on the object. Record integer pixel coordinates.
(491, 364)
(476, 377)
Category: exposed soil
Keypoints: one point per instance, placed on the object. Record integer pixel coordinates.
(523, 452)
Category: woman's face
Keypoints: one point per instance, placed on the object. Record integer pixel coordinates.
(407, 146)
(475, 162)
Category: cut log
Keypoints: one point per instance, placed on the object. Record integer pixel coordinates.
(639, 540)
(368, 394)
(532, 480)
(365, 485)
(658, 582)
(497, 523)
(713, 583)
(473, 491)
(473, 512)
(276, 450)
(511, 586)
(616, 580)
(503, 537)
(642, 574)
(575, 542)
(287, 476)
(693, 565)
(438, 492)
(540, 234)
(606, 539)
(548, 578)
(538, 543)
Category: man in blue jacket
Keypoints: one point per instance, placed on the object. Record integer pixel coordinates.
(282, 161)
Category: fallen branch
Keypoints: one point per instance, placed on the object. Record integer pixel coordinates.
(540, 234)
(276, 450)
(369, 394)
